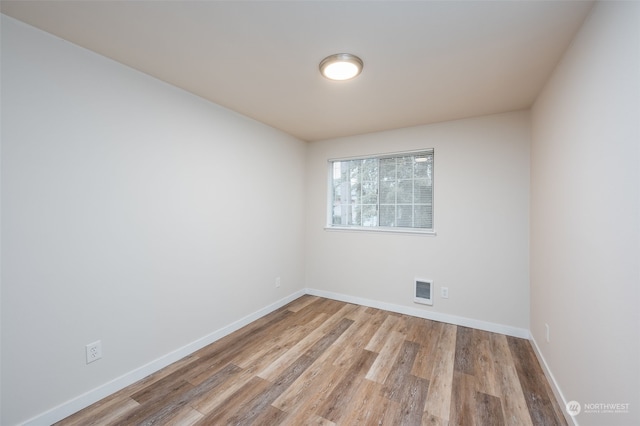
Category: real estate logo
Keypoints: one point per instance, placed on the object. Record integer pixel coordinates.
(573, 408)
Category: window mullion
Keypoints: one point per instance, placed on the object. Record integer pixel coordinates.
(378, 209)
(413, 193)
(397, 185)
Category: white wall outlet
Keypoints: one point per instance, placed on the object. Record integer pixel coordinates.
(94, 351)
(278, 282)
(547, 332)
(444, 292)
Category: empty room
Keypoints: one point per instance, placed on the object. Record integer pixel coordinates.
(320, 212)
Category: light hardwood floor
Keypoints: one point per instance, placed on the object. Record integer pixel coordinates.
(323, 362)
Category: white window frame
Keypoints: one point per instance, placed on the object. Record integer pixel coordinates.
(376, 229)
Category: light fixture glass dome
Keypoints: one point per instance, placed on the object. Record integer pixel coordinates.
(341, 66)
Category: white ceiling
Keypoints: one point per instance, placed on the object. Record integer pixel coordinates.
(424, 61)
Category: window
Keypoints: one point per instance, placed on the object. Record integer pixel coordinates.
(390, 192)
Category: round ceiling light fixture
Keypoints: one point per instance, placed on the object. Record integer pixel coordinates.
(341, 66)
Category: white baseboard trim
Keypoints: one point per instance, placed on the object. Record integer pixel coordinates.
(562, 401)
(420, 313)
(76, 404)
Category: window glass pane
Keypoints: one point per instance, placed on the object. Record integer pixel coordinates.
(370, 192)
(355, 193)
(336, 193)
(354, 168)
(354, 180)
(422, 217)
(369, 215)
(420, 169)
(405, 192)
(370, 169)
(404, 216)
(387, 192)
(405, 167)
(387, 215)
(341, 193)
(355, 215)
(387, 169)
(340, 214)
(422, 191)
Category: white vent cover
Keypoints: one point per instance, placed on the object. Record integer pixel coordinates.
(423, 292)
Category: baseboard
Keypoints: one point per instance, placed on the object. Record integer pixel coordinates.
(66, 409)
(420, 313)
(557, 392)
(76, 404)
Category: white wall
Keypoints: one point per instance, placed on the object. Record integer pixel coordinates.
(481, 250)
(585, 187)
(132, 212)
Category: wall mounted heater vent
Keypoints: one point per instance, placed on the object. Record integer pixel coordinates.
(423, 292)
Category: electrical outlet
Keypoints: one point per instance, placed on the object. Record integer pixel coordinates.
(94, 351)
(444, 292)
(277, 282)
(547, 331)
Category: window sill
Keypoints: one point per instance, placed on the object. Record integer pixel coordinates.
(430, 233)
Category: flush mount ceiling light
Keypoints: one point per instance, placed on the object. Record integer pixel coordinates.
(341, 66)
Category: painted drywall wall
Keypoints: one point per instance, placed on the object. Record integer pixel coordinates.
(585, 218)
(481, 204)
(132, 212)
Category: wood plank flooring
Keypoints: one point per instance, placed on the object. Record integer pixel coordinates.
(323, 362)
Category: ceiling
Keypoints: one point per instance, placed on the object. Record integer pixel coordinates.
(424, 61)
